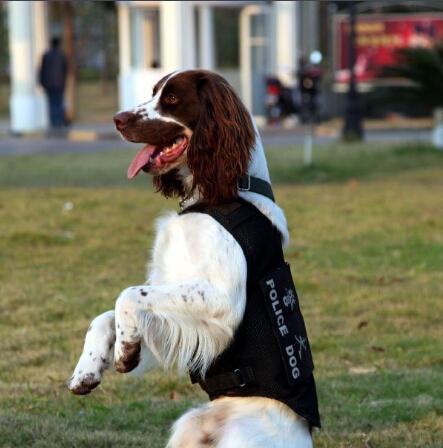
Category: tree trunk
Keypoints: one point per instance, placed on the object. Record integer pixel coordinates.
(71, 79)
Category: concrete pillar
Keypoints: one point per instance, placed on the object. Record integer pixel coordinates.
(133, 87)
(177, 35)
(206, 37)
(124, 37)
(28, 39)
(286, 41)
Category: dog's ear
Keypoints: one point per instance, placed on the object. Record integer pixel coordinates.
(222, 140)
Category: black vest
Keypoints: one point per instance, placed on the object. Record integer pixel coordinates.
(270, 354)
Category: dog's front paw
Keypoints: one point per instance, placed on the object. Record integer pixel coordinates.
(88, 373)
(127, 343)
(83, 384)
(97, 355)
(128, 357)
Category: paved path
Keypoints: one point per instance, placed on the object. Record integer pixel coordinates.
(82, 140)
(12, 145)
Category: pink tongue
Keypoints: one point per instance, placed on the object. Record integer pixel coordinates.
(140, 160)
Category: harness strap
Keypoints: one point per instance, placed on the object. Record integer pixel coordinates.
(255, 185)
(229, 215)
(225, 382)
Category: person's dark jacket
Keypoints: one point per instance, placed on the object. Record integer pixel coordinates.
(53, 70)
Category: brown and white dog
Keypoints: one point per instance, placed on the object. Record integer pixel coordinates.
(198, 140)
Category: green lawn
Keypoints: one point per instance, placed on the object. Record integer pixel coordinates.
(367, 254)
(94, 100)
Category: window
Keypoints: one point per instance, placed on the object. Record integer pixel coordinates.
(145, 38)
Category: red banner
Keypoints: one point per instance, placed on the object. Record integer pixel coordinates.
(378, 38)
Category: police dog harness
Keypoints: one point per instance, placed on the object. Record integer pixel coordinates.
(269, 355)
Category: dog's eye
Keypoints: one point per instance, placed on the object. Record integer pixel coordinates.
(171, 99)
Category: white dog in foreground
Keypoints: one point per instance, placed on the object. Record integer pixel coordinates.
(219, 301)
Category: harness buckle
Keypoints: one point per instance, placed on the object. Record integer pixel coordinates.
(241, 183)
(240, 377)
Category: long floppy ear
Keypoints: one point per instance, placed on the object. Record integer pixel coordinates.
(222, 141)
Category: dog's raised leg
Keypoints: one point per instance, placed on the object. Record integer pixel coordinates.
(190, 323)
(97, 355)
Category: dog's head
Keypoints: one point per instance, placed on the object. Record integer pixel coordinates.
(193, 123)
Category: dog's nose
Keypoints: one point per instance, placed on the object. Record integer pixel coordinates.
(122, 119)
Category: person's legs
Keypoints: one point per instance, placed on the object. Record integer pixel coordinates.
(51, 104)
(59, 109)
(56, 110)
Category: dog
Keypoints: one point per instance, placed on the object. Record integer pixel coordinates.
(201, 146)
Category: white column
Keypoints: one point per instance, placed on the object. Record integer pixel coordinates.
(28, 39)
(124, 37)
(190, 41)
(286, 41)
(124, 46)
(206, 37)
(177, 35)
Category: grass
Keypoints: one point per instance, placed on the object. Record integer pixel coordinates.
(94, 100)
(366, 252)
(332, 164)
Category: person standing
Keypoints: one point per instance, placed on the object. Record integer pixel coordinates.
(52, 77)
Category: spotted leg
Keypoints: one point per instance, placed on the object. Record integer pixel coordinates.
(189, 323)
(97, 355)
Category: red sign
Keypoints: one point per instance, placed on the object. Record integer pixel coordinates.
(378, 38)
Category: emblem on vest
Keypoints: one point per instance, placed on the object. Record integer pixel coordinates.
(302, 341)
(289, 299)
